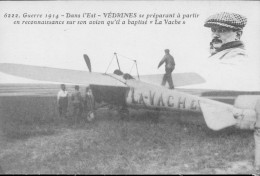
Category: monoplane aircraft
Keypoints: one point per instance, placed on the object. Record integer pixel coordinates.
(144, 92)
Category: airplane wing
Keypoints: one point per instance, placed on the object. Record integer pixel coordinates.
(179, 79)
(59, 75)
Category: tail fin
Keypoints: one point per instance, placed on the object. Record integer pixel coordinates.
(217, 117)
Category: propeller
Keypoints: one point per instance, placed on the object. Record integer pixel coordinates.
(87, 60)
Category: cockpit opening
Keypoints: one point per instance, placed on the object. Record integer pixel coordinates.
(118, 72)
(126, 76)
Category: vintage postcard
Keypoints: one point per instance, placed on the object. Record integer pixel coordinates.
(129, 87)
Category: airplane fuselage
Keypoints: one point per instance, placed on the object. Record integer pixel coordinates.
(144, 95)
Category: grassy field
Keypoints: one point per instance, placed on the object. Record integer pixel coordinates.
(34, 140)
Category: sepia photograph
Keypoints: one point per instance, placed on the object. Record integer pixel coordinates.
(129, 87)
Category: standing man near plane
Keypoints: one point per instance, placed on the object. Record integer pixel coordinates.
(77, 103)
(89, 104)
(63, 101)
(169, 67)
(228, 50)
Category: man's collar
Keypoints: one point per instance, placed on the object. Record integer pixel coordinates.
(234, 44)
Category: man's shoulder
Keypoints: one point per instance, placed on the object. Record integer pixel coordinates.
(234, 52)
(168, 56)
(231, 55)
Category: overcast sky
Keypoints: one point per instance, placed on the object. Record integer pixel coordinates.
(62, 46)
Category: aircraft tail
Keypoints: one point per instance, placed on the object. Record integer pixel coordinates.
(217, 117)
(243, 114)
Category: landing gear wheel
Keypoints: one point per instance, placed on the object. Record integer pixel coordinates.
(91, 116)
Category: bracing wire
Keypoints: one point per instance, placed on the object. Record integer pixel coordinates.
(137, 70)
(116, 55)
(117, 61)
(110, 63)
(132, 67)
(126, 57)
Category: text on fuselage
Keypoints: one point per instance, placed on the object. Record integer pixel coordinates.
(161, 99)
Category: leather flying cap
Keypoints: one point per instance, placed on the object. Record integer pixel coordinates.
(228, 20)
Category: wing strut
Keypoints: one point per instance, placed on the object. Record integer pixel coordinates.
(135, 63)
(117, 61)
(115, 55)
(109, 64)
(137, 69)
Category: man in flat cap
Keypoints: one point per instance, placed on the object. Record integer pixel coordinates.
(169, 67)
(227, 29)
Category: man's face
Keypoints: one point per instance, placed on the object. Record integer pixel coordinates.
(222, 35)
